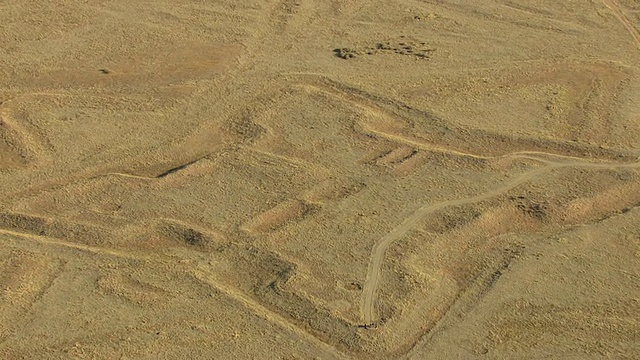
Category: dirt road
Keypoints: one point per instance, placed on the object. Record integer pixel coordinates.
(372, 282)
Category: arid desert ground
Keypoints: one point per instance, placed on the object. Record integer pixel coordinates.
(300, 179)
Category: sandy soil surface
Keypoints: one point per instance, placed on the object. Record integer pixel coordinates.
(320, 179)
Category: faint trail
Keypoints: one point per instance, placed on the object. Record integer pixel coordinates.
(377, 257)
(87, 248)
(375, 106)
(529, 155)
(30, 142)
(125, 175)
(371, 104)
(99, 172)
(329, 352)
(614, 6)
(247, 302)
(374, 270)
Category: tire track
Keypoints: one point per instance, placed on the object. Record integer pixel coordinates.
(384, 109)
(374, 271)
(205, 276)
(35, 147)
(377, 106)
(86, 248)
(200, 273)
(615, 7)
(529, 155)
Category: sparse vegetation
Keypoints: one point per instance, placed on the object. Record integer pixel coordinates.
(231, 187)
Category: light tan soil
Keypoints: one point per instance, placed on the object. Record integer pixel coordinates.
(319, 179)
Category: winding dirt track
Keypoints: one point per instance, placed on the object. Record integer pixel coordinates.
(374, 271)
(372, 282)
(615, 7)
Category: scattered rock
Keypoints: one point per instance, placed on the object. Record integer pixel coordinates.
(418, 49)
(345, 53)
